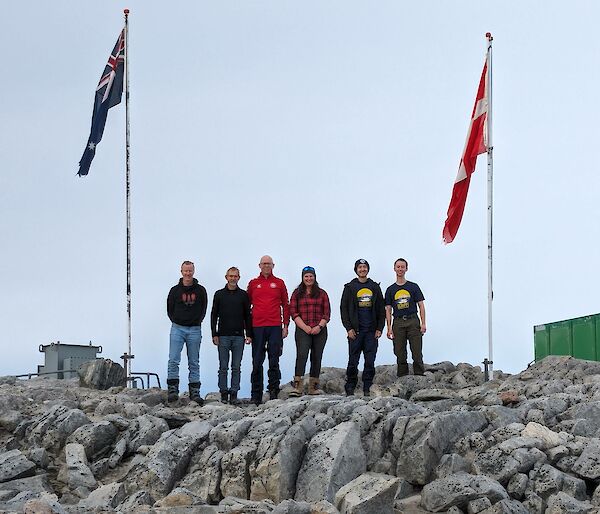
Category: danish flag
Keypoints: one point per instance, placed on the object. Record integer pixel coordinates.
(476, 144)
(108, 94)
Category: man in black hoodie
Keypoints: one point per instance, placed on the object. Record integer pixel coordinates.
(363, 316)
(186, 308)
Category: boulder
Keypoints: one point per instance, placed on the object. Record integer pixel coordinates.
(107, 496)
(96, 438)
(333, 458)
(458, 490)
(101, 374)
(368, 493)
(77, 467)
(14, 465)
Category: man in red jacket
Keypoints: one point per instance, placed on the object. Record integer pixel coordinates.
(270, 320)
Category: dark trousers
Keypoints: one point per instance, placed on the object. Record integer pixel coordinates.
(313, 344)
(408, 330)
(266, 340)
(366, 343)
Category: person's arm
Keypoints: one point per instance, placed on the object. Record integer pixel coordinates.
(345, 312)
(379, 311)
(203, 303)
(295, 313)
(285, 304)
(388, 319)
(170, 304)
(247, 319)
(421, 306)
(214, 315)
(326, 314)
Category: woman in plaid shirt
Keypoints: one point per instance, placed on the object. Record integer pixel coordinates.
(310, 310)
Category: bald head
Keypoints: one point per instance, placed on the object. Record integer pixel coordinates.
(266, 265)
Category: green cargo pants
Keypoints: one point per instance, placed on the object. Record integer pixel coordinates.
(408, 329)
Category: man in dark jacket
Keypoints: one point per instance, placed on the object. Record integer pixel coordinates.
(186, 308)
(363, 316)
(229, 320)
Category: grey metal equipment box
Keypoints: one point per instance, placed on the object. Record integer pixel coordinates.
(61, 356)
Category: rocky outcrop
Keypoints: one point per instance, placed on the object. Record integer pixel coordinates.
(101, 374)
(443, 442)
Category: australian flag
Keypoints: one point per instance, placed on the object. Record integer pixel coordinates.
(108, 94)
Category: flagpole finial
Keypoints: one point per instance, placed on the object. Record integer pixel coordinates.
(489, 36)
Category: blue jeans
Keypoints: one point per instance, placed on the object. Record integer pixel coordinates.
(191, 337)
(235, 345)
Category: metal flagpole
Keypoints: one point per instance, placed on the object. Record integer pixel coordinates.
(129, 356)
(490, 195)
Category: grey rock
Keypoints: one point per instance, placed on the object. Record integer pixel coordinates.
(144, 431)
(506, 507)
(426, 439)
(168, 459)
(179, 497)
(138, 499)
(233, 504)
(451, 463)
(173, 418)
(478, 505)
(369, 492)
(96, 438)
(229, 434)
(51, 429)
(13, 465)
(205, 477)
(588, 463)
(517, 485)
(101, 374)
(77, 467)
(39, 456)
(458, 490)
(10, 419)
(496, 464)
(562, 503)
(36, 484)
(118, 453)
(333, 458)
(292, 507)
(106, 496)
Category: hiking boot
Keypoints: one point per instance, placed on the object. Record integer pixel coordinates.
(367, 393)
(172, 390)
(233, 399)
(349, 390)
(194, 388)
(273, 394)
(313, 386)
(256, 400)
(224, 396)
(298, 390)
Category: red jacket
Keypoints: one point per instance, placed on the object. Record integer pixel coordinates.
(269, 298)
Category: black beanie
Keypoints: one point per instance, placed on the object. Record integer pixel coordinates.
(361, 261)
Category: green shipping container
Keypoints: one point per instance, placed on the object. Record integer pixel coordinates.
(578, 337)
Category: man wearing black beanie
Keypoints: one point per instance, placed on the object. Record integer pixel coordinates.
(363, 316)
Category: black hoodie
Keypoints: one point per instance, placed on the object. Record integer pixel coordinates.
(349, 304)
(186, 305)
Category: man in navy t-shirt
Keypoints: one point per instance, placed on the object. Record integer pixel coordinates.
(402, 299)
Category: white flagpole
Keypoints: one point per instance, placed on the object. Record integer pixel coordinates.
(490, 195)
(127, 197)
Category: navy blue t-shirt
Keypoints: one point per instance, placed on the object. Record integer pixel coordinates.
(404, 298)
(365, 297)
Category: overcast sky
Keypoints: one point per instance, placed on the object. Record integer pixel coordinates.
(317, 132)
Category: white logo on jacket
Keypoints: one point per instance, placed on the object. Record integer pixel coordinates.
(273, 285)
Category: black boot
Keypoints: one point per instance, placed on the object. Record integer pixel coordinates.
(233, 399)
(273, 394)
(194, 388)
(172, 390)
(224, 396)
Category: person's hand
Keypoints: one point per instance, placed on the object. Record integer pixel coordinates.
(316, 330)
(308, 330)
(423, 328)
(390, 334)
(248, 340)
(377, 334)
(284, 333)
(281, 350)
(352, 334)
(216, 340)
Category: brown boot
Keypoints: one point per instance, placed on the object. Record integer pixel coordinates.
(313, 386)
(298, 390)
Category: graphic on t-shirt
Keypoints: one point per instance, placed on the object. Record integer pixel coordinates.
(188, 298)
(402, 299)
(365, 297)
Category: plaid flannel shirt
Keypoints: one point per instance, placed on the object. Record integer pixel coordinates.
(310, 310)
